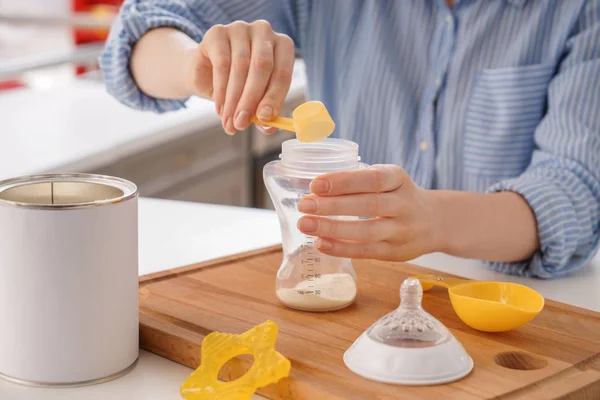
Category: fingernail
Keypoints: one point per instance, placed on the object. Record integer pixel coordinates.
(324, 244)
(219, 109)
(242, 120)
(227, 127)
(267, 130)
(307, 206)
(265, 113)
(308, 224)
(320, 186)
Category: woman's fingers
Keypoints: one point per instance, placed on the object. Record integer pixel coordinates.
(251, 72)
(261, 67)
(239, 39)
(216, 48)
(385, 251)
(375, 179)
(373, 250)
(372, 230)
(358, 205)
(280, 79)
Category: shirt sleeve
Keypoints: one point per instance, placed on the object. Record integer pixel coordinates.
(562, 182)
(194, 18)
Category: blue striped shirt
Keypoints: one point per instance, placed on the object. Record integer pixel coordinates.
(486, 96)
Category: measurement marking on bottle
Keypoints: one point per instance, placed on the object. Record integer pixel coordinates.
(311, 256)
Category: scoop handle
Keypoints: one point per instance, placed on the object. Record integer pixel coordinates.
(277, 122)
(428, 281)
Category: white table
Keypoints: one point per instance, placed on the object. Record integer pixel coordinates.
(174, 234)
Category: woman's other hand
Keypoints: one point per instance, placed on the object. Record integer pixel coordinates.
(403, 223)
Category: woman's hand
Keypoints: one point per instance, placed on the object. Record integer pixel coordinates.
(404, 223)
(246, 69)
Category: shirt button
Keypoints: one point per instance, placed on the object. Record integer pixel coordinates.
(449, 19)
(438, 80)
(424, 145)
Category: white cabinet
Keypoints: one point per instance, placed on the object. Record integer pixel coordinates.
(229, 185)
(207, 166)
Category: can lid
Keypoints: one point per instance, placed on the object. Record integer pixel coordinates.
(65, 191)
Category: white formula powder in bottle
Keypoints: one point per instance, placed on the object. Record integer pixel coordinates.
(327, 293)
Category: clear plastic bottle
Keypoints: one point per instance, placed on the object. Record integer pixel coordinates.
(309, 280)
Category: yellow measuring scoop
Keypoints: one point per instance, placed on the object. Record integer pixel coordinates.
(489, 306)
(311, 122)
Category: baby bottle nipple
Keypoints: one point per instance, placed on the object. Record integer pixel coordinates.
(408, 346)
(409, 325)
(309, 280)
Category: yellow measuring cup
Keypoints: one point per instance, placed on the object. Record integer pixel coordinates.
(311, 122)
(489, 306)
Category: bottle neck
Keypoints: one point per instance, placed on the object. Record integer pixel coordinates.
(309, 160)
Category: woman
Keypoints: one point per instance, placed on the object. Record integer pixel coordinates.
(481, 118)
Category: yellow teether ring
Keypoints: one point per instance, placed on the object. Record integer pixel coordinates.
(218, 348)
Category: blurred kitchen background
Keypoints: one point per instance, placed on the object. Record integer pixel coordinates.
(55, 115)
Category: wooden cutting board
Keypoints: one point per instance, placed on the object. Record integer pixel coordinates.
(556, 356)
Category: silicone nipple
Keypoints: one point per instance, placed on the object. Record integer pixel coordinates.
(408, 346)
(218, 348)
(409, 325)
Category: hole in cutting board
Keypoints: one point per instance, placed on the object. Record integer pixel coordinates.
(236, 367)
(519, 360)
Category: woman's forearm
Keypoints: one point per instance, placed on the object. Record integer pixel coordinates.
(161, 64)
(495, 227)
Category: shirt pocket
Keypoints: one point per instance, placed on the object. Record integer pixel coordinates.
(506, 106)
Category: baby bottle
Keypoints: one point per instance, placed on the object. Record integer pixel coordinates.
(309, 280)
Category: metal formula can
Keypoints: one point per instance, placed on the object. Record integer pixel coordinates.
(68, 279)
